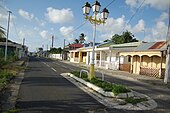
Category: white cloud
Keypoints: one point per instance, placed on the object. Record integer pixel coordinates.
(4, 17)
(59, 16)
(21, 34)
(157, 4)
(139, 26)
(44, 34)
(65, 32)
(163, 16)
(112, 25)
(115, 26)
(25, 14)
(158, 32)
(40, 22)
(132, 3)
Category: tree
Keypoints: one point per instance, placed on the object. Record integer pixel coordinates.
(56, 50)
(82, 38)
(107, 40)
(2, 32)
(76, 41)
(126, 37)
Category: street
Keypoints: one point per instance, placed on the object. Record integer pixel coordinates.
(43, 90)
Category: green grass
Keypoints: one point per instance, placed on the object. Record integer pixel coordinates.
(120, 89)
(135, 101)
(4, 78)
(14, 110)
(106, 86)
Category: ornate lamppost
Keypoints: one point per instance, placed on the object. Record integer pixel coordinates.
(95, 21)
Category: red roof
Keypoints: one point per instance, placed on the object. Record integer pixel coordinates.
(76, 45)
(157, 45)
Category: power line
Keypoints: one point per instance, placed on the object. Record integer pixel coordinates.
(133, 15)
(16, 31)
(78, 27)
(110, 3)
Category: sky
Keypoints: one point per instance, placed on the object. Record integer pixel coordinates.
(38, 20)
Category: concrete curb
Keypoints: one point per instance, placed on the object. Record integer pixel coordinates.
(14, 89)
(106, 96)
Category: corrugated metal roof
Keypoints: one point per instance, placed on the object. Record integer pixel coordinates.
(157, 45)
(127, 49)
(76, 45)
(105, 44)
(132, 44)
(151, 46)
(144, 46)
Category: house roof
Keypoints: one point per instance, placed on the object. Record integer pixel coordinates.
(125, 45)
(76, 45)
(151, 46)
(4, 40)
(105, 44)
(10, 43)
(157, 45)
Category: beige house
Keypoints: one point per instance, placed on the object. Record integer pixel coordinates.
(136, 57)
(106, 55)
(147, 59)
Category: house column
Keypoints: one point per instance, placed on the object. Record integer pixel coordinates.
(79, 57)
(74, 56)
(160, 70)
(140, 62)
(100, 63)
(131, 66)
(119, 62)
(87, 58)
(95, 55)
(110, 58)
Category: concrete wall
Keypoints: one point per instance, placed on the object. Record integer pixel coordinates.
(56, 56)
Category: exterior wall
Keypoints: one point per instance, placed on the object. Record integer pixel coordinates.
(56, 56)
(88, 58)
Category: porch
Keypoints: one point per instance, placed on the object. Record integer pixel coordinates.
(150, 64)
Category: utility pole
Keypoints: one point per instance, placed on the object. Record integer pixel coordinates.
(23, 41)
(6, 45)
(63, 49)
(52, 41)
(167, 70)
(47, 47)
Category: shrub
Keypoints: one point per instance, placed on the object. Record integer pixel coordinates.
(135, 101)
(106, 86)
(77, 74)
(119, 89)
(4, 78)
(2, 62)
(5, 74)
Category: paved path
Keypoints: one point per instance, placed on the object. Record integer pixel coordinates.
(43, 90)
(160, 95)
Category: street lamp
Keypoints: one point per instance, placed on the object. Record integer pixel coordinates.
(93, 20)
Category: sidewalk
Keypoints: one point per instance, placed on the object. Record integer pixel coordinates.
(124, 75)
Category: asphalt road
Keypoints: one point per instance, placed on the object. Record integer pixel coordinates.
(44, 91)
(160, 94)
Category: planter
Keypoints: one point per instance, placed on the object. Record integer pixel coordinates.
(100, 90)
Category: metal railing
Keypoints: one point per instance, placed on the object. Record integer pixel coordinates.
(83, 71)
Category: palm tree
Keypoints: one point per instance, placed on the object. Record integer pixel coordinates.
(82, 38)
(76, 41)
